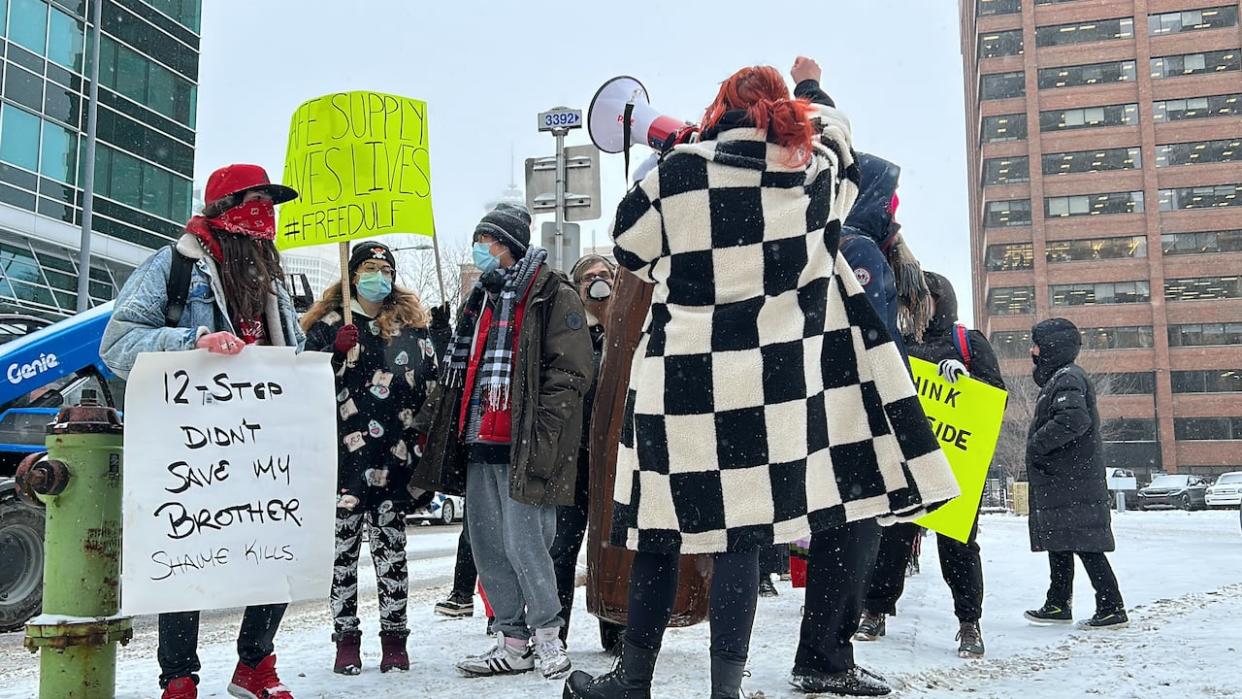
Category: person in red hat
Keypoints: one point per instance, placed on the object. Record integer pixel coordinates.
(220, 287)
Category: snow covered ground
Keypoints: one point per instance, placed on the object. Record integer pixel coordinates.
(1181, 574)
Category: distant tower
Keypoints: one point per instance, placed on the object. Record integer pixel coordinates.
(512, 194)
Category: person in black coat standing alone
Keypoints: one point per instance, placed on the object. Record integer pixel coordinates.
(958, 353)
(1069, 493)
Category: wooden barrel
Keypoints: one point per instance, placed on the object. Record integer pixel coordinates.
(608, 567)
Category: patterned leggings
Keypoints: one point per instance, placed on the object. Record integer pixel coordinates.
(387, 538)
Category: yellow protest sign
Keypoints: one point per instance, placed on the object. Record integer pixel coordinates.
(966, 418)
(361, 165)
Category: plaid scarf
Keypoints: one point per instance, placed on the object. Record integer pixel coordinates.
(496, 368)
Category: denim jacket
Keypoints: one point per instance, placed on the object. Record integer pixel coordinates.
(137, 323)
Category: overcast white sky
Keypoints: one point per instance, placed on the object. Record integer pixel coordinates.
(487, 68)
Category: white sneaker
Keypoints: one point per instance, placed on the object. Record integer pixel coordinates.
(502, 659)
(550, 651)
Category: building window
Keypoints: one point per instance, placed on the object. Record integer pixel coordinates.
(1094, 204)
(1006, 170)
(1196, 63)
(1089, 74)
(28, 24)
(1000, 214)
(1011, 301)
(135, 76)
(65, 40)
(1142, 383)
(1006, 127)
(998, 44)
(1089, 117)
(1207, 381)
(1011, 344)
(1052, 2)
(1222, 151)
(1205, 334)
(1207, 429)
(1129, 430)
(1192, 20)
(997, 86)
(1197, 108)
(998, 7)
(1211, 196)
(141, 185)
(19, 138)
(1100, 294)
(58, 158)
(1116, 338)
(1201, 242)
(23, 87)
(1092, 161)
(1095, 249)
(1010, 257)
(185, 12)
(1203, 288)
(1083, 32)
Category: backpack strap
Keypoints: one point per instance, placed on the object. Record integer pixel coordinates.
(178, 289)
(961, 340)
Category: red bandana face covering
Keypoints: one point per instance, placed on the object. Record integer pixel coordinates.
(256, 219)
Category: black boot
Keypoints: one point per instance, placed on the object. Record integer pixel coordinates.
(854, 682)
(727, 677)
(629, 679)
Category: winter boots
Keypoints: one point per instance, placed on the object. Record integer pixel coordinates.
(970, 640)
(394, 656)
(854, 682)
(766, 588)
(504, 658)
(727, 677)
(258, 682)
(871, 628)
(457, 605)
(629, 679)
(1050, 614)
(550, 653)
(181, 688)
(348, 653)
(1107, 620)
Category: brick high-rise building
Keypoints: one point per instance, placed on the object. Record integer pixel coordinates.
(1105, 164)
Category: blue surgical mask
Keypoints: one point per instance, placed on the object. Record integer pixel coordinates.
(484, 259)
(374, 287)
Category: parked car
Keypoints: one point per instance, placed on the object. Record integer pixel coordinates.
(444, 509)
(1181, 491)
(1226, 491)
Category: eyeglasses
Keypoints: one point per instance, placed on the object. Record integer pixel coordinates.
(372, 267)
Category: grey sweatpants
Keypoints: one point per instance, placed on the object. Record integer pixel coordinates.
(510, 542)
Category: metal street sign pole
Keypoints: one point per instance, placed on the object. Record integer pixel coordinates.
(560, 199)
(88, 172)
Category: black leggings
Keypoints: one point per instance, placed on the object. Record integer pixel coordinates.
(1061, 589)
(735, 590)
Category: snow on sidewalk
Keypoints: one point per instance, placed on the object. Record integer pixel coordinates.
(1181, 574)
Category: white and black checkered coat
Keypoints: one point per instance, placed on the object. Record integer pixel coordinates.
(766, 400)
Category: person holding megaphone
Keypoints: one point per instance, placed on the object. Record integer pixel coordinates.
(761, 372)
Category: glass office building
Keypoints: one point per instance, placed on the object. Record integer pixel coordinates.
(144, 161)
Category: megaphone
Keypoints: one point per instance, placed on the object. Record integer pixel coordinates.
(606, 117)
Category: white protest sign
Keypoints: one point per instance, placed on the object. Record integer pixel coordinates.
(229, 480)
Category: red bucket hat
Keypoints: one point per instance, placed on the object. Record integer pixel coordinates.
(236, 179)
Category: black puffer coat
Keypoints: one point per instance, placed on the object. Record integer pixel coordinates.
(938, 344)
(1064, 452)
(377, 399)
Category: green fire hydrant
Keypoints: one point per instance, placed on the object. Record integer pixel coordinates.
(80, 484)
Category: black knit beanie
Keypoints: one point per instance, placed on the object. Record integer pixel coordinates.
(369, 250)
(510, 224)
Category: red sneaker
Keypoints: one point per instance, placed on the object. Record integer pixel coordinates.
(181, 688)
(258, 682)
